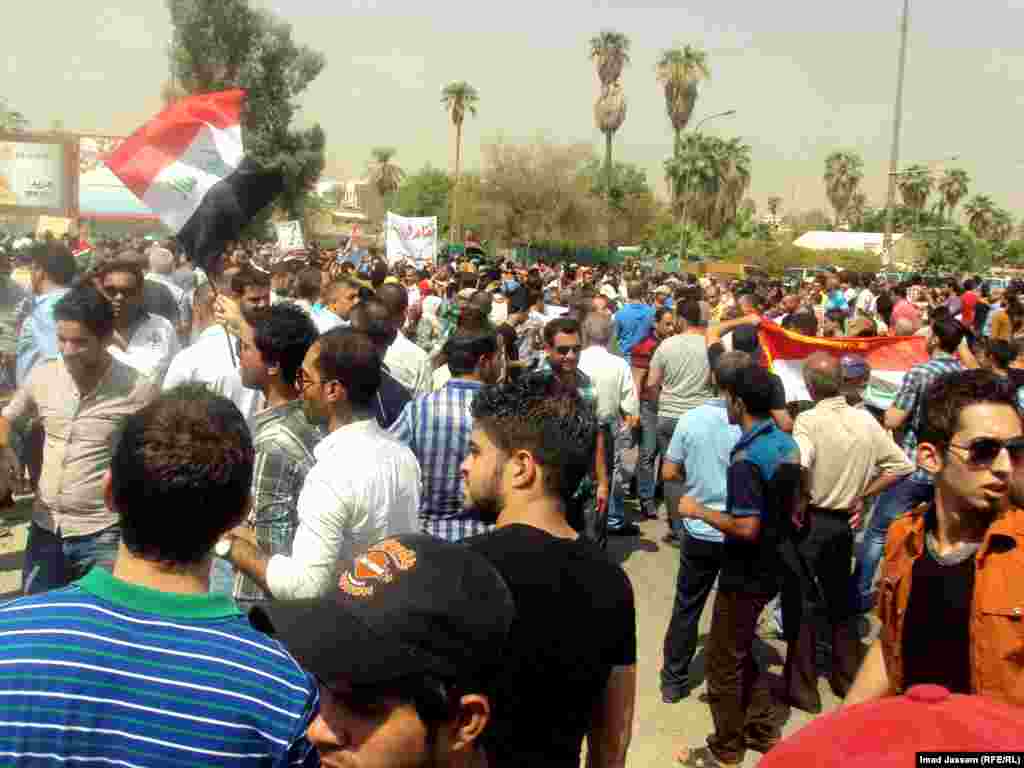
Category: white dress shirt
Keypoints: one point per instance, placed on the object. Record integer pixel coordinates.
(613, 381)
(213, 360)
(152, 345)
(410, 365)
(364, 487)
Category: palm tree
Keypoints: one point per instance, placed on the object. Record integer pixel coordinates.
(855, 211)
(678, 71)
(1002, 225)
(843, 173)
(774, 203)
(980, 212)
(458, 98)
(610, 52)
(915, 184)
(710, 177)
(385, 175)
(11, 121)
(953, 187)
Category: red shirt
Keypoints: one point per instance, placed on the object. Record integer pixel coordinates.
(641, 358)
(968, 302)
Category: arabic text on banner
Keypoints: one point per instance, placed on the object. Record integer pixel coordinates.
(289, 236)
(411, 238)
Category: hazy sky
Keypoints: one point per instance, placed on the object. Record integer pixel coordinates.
(804, 77)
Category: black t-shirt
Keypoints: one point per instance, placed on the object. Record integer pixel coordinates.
(390, 400)
(936, 633)
(507, 338)
(575, 621)
(157, 299)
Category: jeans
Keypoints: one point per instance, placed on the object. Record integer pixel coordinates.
(674, 488)
(893, 502)
(699, 563)
(52, 561)
(739, 695)
(616, 446)
(648, 454)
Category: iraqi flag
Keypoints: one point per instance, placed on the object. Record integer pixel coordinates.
(188, 165)
(890, 357)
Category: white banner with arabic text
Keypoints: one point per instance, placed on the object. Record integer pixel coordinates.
(411, 238)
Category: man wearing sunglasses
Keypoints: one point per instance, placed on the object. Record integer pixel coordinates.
(588, 508)
(952, 591)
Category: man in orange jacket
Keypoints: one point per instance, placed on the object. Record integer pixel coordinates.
(951, 597)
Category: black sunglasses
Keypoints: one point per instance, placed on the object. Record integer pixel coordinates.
(566, 349)
(983, 451)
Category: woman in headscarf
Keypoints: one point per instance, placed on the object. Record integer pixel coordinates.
(428, 330)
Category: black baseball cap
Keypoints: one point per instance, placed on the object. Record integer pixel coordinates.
(411, 605)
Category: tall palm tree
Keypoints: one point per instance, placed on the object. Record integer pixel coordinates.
(953, 187)
(1002, 225)
(980, 212)
(915, 185)
(774, 203)
(458, 98)
(610, 53)
(385, 175)
(843, 174)
(855, 211)
(679, 70)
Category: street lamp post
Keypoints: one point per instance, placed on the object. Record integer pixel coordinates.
(683, 239)
(894, 159)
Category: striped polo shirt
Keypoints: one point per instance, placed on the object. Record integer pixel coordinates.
(105, 672)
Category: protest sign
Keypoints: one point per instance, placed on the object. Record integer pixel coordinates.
(289, 236)
(411, 238)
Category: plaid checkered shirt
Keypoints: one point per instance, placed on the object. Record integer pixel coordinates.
(437, 427)
(911, 396)
(284, 442)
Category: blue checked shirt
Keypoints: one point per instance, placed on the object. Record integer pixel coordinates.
(436, 427)
(911, 396)
(284, 441)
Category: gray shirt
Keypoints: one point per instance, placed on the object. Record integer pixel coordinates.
(686, 382)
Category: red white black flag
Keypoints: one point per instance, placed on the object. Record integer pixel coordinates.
(188, 165)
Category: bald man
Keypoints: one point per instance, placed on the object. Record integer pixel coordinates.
(846, 456)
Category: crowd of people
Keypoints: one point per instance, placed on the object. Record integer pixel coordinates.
(320, 510)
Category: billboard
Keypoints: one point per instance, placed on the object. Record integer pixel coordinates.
(101, 195)
(35, 174)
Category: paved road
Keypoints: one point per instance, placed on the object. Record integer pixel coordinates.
(659, 728)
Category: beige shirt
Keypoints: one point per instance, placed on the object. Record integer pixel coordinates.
(79, 444)
(844, 449)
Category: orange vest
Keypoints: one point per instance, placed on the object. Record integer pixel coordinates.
(997, 609)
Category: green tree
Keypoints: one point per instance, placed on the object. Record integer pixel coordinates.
(915, 185)
(1002, 225)
(953, 187)
(384, 175)
(843, 174)
(980, 211)
(679, 70)
(633, 204)
(610, 53)
(425, 193)
(458, 98)
(11, 121)
(709, 177)
(222, 44)
(774, 203)
(855, 211)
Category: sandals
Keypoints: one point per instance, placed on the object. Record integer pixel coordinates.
(701, 757)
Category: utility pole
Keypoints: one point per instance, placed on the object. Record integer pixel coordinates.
(894, 160)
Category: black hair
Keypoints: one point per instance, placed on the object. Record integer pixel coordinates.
(56, 261)
(395, 298)
(690, 312)
(1002, 352)
(536, 413)
(122, 265)
(802, 322)
(307, 284)
(86, 305)
(283, 333)
(559, 325)
(660, 312)
(371, 316)
(884, 306)
(181, 475)
(248, 277)
(753, 387)
(351, 358)
(950, 395)
(949, 333)
(465, 348)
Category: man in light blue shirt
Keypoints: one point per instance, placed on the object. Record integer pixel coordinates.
(53, 269)
(699, 456)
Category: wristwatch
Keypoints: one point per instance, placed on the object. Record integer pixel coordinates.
(223, 547)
